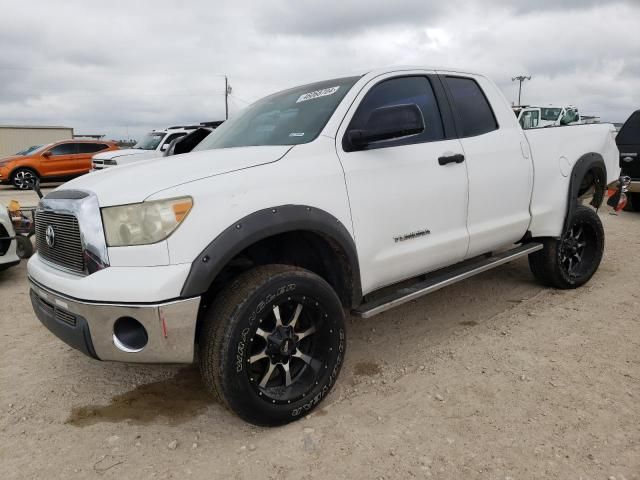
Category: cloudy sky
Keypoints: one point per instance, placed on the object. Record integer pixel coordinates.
(124, 67)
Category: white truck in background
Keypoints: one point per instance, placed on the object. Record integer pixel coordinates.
(355, 194)
(550, 116)
(152, 145)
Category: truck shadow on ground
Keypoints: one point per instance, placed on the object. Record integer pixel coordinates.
(177, 399)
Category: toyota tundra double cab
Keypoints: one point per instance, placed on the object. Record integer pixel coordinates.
(347, 196)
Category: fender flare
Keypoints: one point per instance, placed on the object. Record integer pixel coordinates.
(587, 162)
(261, 225)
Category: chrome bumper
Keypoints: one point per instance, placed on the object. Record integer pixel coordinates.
(170, 326)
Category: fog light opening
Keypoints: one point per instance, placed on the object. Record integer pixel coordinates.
(129, 335)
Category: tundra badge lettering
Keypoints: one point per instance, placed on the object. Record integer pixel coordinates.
(409, 236)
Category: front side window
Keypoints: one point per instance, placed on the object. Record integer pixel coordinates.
(396, 92)
(65, 149)
(150, 141)
(291, 117)
(473, 112)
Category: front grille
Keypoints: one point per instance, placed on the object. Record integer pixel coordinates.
(67, 246)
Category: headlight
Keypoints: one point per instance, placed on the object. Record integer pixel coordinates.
(144, 223)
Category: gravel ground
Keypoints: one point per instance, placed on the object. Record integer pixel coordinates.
(494, 378)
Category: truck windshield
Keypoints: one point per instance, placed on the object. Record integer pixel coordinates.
(290, 117)
(150, 141)
(551, 113)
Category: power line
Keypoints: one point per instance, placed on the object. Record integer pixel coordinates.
(241, 99)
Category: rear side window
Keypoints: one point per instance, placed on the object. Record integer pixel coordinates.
(91, 147)
(472, 109)
(65, 149)
(402, 91)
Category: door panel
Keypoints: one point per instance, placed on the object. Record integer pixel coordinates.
(409, 212)
(498, 163)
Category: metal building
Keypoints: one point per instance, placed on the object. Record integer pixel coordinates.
(14, 138)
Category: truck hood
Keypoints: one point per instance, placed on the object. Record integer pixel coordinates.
(135, 182)
(111, 154)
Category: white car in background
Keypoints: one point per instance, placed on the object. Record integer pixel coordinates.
(550, 116)
(8, 256)
(152, 145)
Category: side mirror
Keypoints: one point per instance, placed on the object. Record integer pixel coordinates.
(388, 123)
(46, 154)
(164, 147)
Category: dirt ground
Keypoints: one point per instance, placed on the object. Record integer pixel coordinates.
(492, 378)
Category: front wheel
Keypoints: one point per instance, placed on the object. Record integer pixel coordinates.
(571, 261)
(272, 344)
(24, 179)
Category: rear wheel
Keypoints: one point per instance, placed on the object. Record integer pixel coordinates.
(571, 261)
(272, 344)
(24, 178)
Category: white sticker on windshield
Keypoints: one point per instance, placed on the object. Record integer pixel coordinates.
(297, 134)
(317, 94)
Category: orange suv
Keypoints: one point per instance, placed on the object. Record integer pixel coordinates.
(60, 161)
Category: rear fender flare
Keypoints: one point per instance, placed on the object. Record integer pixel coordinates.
(587, 162)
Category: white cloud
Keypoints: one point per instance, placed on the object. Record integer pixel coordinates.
(115, 66)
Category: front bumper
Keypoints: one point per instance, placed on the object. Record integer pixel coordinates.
(89, 326)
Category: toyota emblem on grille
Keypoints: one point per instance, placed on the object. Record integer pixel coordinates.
(50, 236)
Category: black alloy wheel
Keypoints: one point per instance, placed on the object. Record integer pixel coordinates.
(571, 260)
(289, 349)
(272, 343)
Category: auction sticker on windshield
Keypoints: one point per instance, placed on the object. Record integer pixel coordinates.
(317, 94)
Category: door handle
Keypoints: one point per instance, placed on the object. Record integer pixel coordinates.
(457, 158)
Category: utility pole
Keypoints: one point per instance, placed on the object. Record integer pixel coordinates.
(227, 91)
(520, 79)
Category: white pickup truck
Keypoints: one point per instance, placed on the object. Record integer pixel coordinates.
(351, 195)
(152, 145)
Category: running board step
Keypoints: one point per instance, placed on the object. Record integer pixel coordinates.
(442, 278)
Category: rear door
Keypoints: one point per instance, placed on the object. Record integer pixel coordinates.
(498, 163)
(409, 212)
